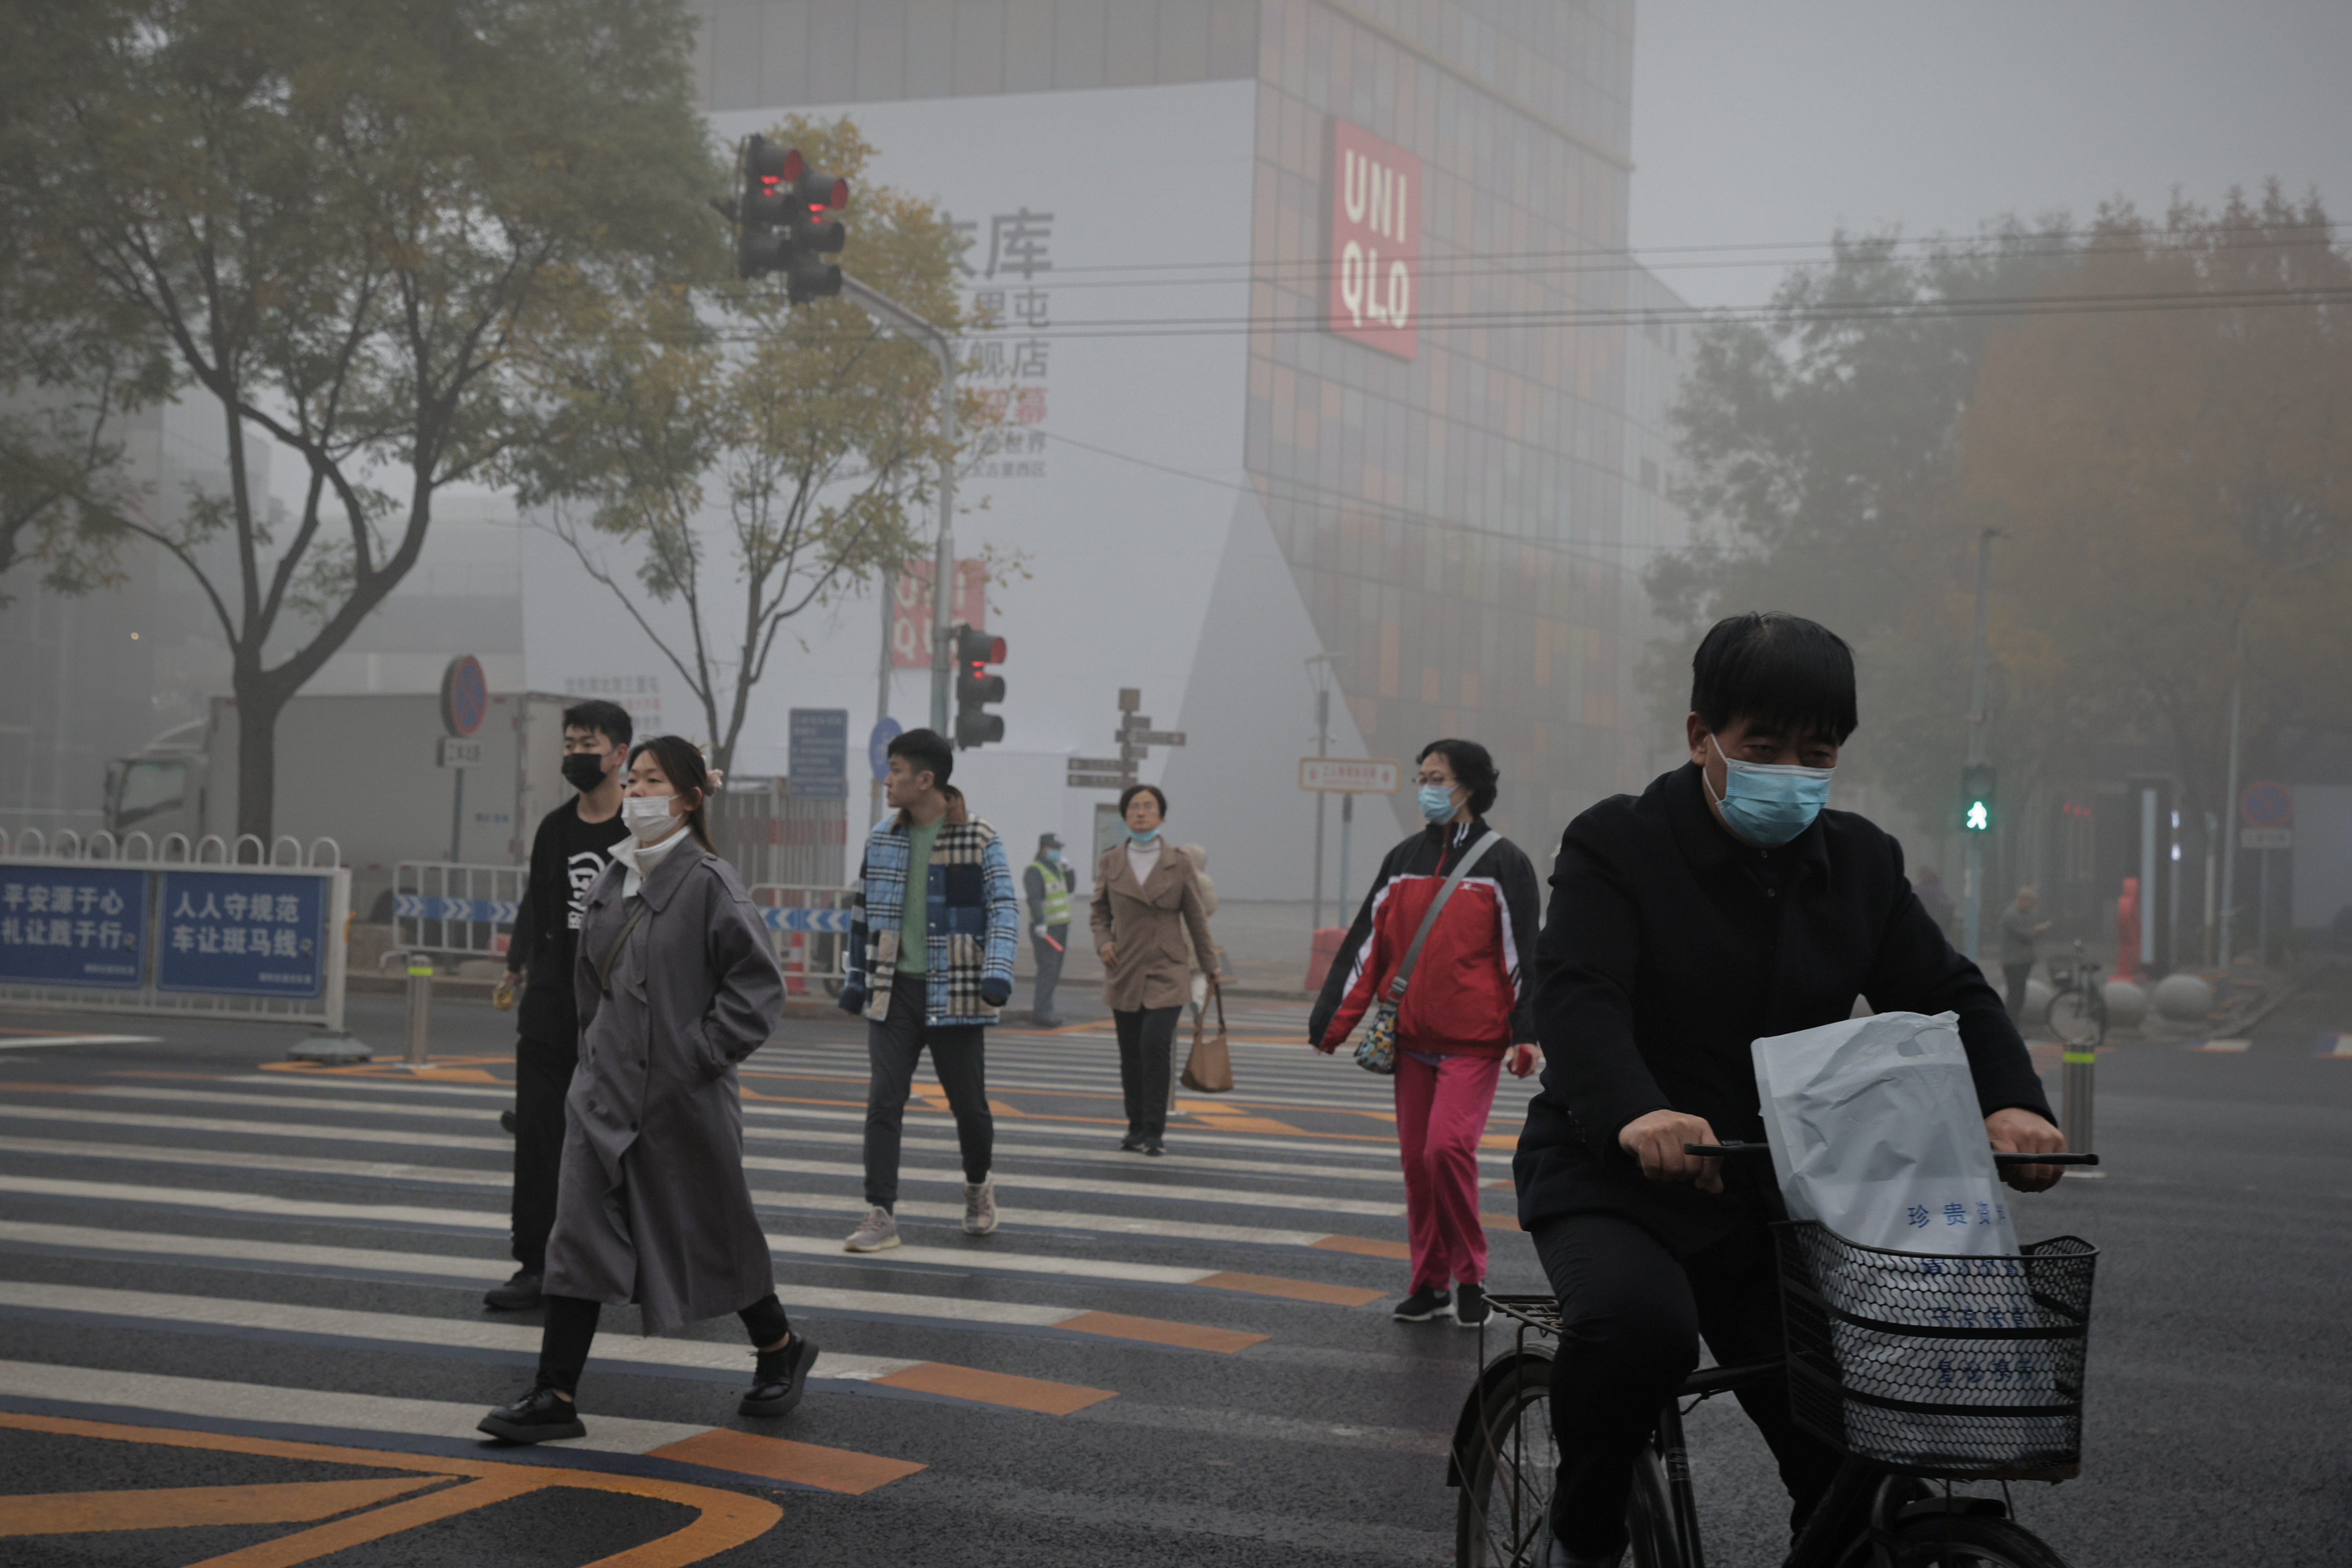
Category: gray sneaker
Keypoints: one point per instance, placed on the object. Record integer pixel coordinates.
(979, 1207)
(878, 1230)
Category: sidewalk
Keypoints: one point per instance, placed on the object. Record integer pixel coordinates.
(1266, 941)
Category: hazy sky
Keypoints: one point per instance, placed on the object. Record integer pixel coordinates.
(1758, 121)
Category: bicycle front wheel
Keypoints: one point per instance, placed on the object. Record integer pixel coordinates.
(2076, 1018)
(1502, 1518)
(1970, 1541)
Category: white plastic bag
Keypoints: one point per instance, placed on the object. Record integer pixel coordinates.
(1875, 1134)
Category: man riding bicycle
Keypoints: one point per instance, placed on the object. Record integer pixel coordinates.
(1721, 906)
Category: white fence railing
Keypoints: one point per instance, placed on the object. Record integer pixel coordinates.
(441, 907)
(95, 924)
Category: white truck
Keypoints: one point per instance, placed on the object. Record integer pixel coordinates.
(372, 772)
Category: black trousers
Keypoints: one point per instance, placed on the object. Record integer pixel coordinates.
(571, 1329)
(543, 1078)
(1631, 1321)
(959, 1054)
(1049, 968)
(2017, 974)
(1147, 1041)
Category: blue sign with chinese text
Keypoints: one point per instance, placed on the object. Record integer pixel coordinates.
(820, 753)
(72, 925)
(246, 932)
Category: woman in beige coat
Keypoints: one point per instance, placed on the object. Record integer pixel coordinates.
(1147, 902)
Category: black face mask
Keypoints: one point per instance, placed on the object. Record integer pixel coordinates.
(583, 771)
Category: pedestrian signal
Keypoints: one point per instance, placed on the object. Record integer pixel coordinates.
(975, 726)
(1976, 797)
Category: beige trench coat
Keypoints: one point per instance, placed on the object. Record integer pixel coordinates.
(652, 1207)
(1148, 922)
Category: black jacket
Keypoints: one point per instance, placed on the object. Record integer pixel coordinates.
(1435, 851)
(1670, 946)
(566, 855)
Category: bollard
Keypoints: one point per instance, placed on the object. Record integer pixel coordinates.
(2075, 1106)
(420, 1009)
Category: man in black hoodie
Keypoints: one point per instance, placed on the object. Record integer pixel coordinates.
(1721, 906)
(575, 842)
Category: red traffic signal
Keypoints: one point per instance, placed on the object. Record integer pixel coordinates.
(975, 688)
(780, 220)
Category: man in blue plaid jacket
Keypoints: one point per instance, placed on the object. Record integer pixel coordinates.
(930, 970)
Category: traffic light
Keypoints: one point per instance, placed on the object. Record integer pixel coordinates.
(780, 220)
(1976, 797)
(975, 689)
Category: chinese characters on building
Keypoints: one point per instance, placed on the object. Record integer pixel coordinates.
(1011, 365)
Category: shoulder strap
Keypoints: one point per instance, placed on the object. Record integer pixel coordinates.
(612, 953)
(1436, 905)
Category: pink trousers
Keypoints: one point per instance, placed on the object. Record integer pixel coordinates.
(1441, 1115)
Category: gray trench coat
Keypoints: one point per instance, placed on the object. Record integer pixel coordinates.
(652, 1206)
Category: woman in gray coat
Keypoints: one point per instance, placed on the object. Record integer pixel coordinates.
(676, 983)
(1147, 903)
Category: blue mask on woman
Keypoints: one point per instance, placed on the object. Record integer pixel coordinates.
(1142, 836)
(1767, 804)
(1436, 803)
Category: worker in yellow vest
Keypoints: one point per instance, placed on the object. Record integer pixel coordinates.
(1048, 880)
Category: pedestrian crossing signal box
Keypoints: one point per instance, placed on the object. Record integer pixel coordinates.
(1976, 797)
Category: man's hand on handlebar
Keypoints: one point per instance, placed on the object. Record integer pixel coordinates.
(2014, 1130)
(1656, 1140)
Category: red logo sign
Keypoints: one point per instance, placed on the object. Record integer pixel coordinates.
(1375, 239)
(910, 609)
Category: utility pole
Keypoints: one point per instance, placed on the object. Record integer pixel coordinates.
(908, 324)
(2230, 805)
(1972, 894)
(1319, 673)
(882, 681)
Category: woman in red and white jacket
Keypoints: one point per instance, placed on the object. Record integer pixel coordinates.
(1469, 1011)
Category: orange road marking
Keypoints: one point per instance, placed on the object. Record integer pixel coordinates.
(996, 1388)
(290, 1502)
(1246, 1124)
(323, 1540)
(778, 1458)
(1500, 1221)
(1365, 1247)
(1293, 1289)
(1154, 1331)
(726, 1519)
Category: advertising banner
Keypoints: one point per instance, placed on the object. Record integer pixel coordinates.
(910, 609)
(1375, 239)
(243, 932)
(71, 925)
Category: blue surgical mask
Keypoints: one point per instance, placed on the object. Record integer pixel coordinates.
(1052, 857)
(1142, 836)
(1769, 806)
(1436, 803)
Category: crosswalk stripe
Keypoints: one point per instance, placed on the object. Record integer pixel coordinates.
(1015, 1218)
(771, 1459)
(987, 1259)
(1148, 1191)
(964, 1312)
(615, 1353)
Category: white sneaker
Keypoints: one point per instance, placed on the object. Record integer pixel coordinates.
(979, 1207)
(879, 1229)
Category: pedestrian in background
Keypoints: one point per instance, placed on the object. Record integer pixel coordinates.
(1467, 1010)
(1937, 900)
(574, 843)
(1047, 880)
(1147, 903)
(930, 960)
(676, 982)
(2018, 935)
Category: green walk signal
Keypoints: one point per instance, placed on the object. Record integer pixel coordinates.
(1976, 797)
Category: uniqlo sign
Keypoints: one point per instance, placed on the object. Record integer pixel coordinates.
(1375, 239)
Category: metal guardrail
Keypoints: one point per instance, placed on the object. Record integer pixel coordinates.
(810, 927)
(444, 907)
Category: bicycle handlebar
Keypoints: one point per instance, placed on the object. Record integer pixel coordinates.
(1719, 1151)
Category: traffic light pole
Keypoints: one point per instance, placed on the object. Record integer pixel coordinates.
(942, 347)
(1972, 894)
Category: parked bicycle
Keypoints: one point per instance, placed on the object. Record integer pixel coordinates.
(2077, 1013)
(1919, 1369)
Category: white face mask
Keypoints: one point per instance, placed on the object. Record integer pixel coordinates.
(648, 816)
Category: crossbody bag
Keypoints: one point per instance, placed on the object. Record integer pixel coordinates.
(1376, 1052)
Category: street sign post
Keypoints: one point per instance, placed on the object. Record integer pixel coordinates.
(2267, 804)
(2266, 837)
(1350, 775)
(2267, 808)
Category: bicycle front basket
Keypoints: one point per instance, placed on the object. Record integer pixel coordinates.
(1942, 1366)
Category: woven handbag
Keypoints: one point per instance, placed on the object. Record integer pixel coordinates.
(1376, 1052)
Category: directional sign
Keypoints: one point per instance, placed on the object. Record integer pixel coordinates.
(1097, 766)
(2267, 804)
(1150, 737)
(1097, 780)
(1348, 776)
(1132, 722)
(835, 920)
(429, 906)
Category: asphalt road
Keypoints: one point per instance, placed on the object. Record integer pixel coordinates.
(240, 1307)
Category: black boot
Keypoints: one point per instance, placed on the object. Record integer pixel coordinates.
(517, 1295)
(539, 1416)
(779, 1379)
